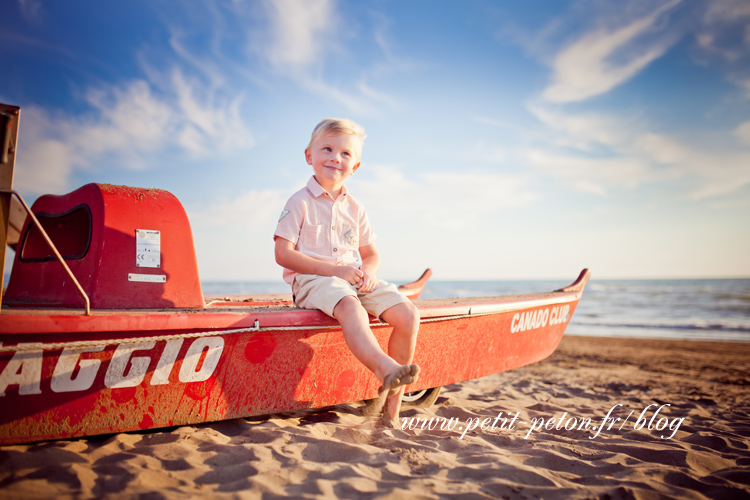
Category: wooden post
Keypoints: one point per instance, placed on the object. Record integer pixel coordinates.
(9, 118)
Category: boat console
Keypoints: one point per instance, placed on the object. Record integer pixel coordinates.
(129, 248)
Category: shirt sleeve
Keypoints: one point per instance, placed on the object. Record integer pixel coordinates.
(366, 234)
(290, 221)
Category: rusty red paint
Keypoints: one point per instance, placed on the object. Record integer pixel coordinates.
(124, 395)
(260, 347)
(196, 392)
(146, 422)
(346, 379)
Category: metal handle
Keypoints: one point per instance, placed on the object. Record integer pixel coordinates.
(54, 249)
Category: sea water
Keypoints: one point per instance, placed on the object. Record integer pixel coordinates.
(699, 309)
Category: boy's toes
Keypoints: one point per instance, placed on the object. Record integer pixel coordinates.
(412, 374)
(404, 375)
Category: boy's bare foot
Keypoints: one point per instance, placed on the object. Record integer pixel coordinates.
(405, 375)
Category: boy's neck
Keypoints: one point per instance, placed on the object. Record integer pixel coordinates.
(334, 191)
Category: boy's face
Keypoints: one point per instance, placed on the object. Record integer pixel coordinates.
(333, 158)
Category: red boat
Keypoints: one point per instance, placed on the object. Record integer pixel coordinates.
(104, 327)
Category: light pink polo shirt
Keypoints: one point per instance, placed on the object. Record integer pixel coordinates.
(323, 228)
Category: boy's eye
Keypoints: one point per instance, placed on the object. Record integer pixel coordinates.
(327, 149)
(346, 153)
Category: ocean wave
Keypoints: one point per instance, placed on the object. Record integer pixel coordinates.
(666, 326)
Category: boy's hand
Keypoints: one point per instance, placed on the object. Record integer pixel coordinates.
(368, 283)
(350, 274)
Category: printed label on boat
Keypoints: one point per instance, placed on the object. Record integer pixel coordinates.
(128, 365)
(531, 320)
(147, 248)
(148, 278)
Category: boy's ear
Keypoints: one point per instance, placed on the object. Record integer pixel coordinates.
(356, 167)
(308, 156)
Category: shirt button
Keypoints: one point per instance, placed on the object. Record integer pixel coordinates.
(333, 228)
(335, 250)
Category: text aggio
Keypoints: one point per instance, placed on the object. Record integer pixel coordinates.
(73, 373)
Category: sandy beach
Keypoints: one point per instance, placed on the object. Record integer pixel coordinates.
(528, 438)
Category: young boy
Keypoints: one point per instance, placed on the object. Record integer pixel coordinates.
(326, 246)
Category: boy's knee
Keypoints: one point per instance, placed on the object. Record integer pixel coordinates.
(412, 313)
(406, 316)
(347, 305)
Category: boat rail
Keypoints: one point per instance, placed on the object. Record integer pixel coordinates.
(429, 314)
(39, 346)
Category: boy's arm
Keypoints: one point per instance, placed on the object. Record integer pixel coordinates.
(288, 257)
(370, 267)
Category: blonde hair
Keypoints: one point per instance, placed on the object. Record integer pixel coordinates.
(339, 126)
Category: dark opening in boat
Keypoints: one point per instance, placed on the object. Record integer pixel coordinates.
(70, 231)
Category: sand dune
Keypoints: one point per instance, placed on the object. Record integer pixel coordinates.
(335, 452)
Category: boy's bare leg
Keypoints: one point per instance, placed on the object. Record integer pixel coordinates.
(404, 318)
(355, 324)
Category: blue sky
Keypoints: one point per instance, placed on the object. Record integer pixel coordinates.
(506, 140)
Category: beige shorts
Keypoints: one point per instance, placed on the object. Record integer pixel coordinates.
(324, 292)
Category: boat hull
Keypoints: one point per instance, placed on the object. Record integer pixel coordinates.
(193, 366)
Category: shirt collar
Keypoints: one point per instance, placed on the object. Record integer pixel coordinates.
(317, 190)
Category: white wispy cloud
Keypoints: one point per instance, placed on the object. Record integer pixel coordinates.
(724, 33)
(31, 10)
(742, 133)
(598, 153)
(743, 82)
(252, 210)
(127, 117)
(133, 121)
(724, 29)
(208, 126)
(302, 39)
(584, 131)
(206, 66)
(620, 44)
(708, 171)
(482, 194)
(602, 59)
(719, 175)
(297, 32)
(44, 161)
(126, 120)
(238, 230)
(593, 175)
